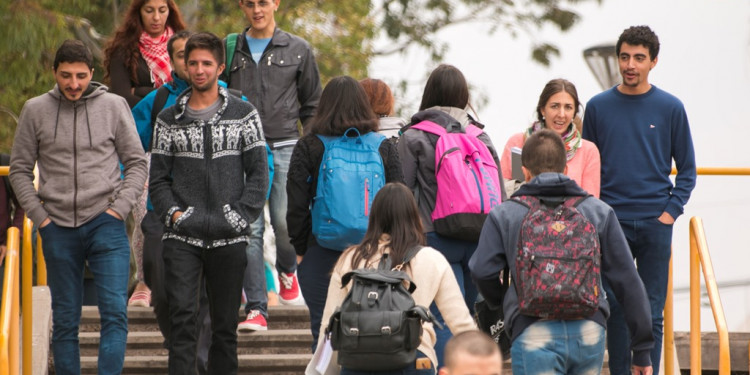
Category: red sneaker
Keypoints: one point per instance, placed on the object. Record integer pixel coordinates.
(254, 322)
(141, 299)
(289, 293)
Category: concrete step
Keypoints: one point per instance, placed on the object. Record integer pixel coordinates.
(281, 364)
(283, 349)
(143, 343)
(143, 318)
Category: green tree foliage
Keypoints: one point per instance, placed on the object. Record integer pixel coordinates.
(342, 32)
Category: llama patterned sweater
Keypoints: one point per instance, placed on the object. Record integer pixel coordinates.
(214, 171)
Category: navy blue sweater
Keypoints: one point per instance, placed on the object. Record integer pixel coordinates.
(638, 136)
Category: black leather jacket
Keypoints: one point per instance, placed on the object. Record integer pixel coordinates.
(284, 86)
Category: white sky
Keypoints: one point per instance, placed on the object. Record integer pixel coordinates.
(704, 61)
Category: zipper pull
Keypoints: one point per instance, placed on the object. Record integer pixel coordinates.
(269, 59)
(367, 196)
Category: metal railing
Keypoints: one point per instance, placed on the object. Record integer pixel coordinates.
(720, 171)
(669, 347)
(9, 316)
(26, 305)
(701, 259)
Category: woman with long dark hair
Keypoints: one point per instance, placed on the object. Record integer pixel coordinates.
(445, 102)
(395, 227)
(343, 105)
(557, 110)
(136, 59)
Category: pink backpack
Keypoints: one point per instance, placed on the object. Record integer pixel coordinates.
(468, 183)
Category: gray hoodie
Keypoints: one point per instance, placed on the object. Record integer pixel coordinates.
(77, 147)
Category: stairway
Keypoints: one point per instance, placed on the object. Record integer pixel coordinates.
(283, 349)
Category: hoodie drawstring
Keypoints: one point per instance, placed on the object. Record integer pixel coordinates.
(57, 117)
(88, 125)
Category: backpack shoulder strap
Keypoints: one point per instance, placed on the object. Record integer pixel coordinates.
(474, 130)
(430, 127)
(326, 139)
(373, 139)
(162, 94)
(410, 254)
(575, 201)
(235, 92)
(230, 44)
(529, 201)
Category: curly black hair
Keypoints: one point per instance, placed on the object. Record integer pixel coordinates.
(640, 36)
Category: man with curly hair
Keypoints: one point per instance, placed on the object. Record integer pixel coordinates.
(639, 129)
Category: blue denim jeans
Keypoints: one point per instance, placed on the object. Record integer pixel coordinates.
(409, 370)
(314, 277)
(565, 347)
(103, 243)
(458, 253)
(254, 282)
(651, 245)
(286, 257)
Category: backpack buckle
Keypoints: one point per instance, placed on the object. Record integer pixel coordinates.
(385, 330)
(372, 295)
(354, 331)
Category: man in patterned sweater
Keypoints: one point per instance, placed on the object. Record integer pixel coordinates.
(209, 177)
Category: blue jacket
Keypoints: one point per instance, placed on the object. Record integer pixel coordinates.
(638, 136)
(497, 248)
(142, 116)
(142, 110)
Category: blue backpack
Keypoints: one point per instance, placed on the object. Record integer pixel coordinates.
(350, 175)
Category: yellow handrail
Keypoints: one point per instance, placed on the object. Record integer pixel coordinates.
(720, 171)
(700, 258)
(9, 339)
(26, 294)
(669, 348)
(26, 284)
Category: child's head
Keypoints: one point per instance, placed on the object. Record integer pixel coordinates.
(472, 352)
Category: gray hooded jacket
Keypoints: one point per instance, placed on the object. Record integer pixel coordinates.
(77, 146)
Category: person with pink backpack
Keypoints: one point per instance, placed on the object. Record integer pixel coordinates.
(452, 167)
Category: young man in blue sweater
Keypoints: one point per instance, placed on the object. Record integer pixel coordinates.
(639, 129)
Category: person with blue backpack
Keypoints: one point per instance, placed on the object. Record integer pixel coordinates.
(336, 169)
(452, 167)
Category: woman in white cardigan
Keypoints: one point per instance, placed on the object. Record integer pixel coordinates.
(395, 227)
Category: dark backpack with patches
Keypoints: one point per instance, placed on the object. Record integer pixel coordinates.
(558, 263)
(378, 326)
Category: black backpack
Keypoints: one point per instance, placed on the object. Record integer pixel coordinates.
(378, 326)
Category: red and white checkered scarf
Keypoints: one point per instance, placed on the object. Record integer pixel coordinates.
(154, 51)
